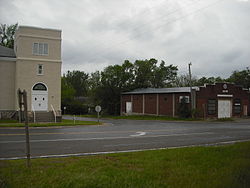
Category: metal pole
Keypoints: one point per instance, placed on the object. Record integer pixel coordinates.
(26, 127)
(98, 116)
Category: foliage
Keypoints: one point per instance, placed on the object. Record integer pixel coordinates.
(7, 34)
(241, 78)
(78, 80)
(183, 109)
(206, 167)
(209, 80)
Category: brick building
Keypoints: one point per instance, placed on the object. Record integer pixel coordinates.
(219, 100)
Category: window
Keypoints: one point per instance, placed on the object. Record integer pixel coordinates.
(211, 106)
(40, 69)
(40, 49)
(237, 106)
(185, 99)
(40, 87)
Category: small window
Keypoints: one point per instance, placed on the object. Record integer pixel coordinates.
(184, 98)
(237, 106)
(211, 106)
(40, 69)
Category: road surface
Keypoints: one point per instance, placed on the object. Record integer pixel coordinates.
(118, 136)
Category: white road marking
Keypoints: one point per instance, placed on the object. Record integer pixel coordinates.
(125, 151)
(104, 138)
(139, 134)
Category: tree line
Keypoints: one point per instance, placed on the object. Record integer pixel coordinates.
(82, 91)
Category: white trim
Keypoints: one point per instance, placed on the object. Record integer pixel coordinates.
(221, 95)
(36, 59)
(33, 27)
(39, 36)
(8, 58)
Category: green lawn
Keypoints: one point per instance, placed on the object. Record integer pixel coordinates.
(216, 167)
(63, 123)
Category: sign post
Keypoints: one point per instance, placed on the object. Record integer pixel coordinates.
(98, 110)
(22, 97)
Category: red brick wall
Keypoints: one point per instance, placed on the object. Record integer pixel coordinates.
(150, 103)
(125, 98)
(166, 104)
(211, 92)
(137, 103)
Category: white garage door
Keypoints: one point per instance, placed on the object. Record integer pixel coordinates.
(224, 108)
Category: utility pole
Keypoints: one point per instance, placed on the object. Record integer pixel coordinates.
(190, 84)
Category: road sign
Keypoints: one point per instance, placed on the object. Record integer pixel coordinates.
(98, 109)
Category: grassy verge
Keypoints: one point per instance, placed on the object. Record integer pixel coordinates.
(215, 167)
(143, 117)
(63, 123)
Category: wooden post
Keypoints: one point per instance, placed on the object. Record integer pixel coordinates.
(26, 127)
(19, 96)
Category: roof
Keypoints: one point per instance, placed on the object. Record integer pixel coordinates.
(7, 52)
(161, 90)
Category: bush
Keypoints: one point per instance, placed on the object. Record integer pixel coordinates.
(183, 109)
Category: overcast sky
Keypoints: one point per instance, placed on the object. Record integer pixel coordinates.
(212, 34)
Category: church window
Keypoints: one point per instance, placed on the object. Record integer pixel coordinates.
(40, 87)
(40, 48)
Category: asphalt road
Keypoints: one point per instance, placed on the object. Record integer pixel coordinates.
(119, 136)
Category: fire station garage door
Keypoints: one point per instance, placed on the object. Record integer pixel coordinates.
(224, 108)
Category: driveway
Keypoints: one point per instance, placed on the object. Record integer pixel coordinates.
(118, 136)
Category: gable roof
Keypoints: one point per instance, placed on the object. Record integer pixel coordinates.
(7, 52)
(161, 90)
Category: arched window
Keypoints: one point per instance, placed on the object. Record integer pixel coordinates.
(40, 87)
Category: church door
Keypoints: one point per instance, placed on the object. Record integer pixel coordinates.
(39, 97)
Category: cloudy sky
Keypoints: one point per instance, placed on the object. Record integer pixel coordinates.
(212, 34)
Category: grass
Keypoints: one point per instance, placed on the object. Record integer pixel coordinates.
(63, 123)
(143, 117)
(216, 167)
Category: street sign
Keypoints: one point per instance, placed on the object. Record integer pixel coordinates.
(98, 108)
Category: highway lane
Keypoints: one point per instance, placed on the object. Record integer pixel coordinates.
(119, 135)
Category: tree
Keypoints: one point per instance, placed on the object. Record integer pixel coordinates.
(116, 79)
(210, 80)
(68, 92)
(79, 81)
(184, 81)
(7, 33)
(148, 74)
(241, 78)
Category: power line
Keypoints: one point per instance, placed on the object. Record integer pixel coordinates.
(171, 21)
(148, 22)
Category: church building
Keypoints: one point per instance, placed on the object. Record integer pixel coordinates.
(33, 65)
